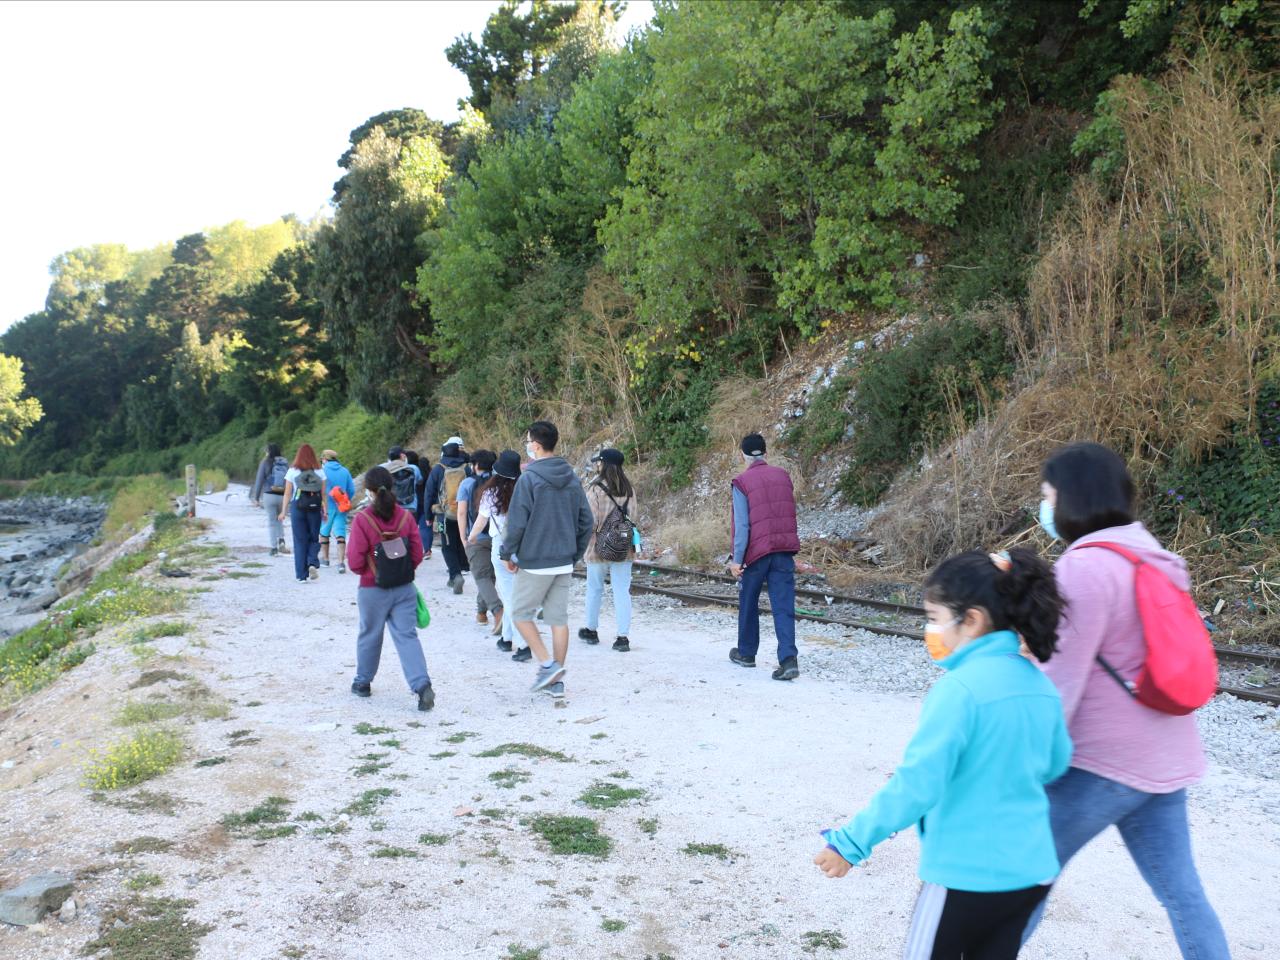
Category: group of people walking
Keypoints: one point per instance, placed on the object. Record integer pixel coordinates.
(1032, 742)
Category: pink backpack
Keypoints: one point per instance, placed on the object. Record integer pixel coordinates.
(1180, 673)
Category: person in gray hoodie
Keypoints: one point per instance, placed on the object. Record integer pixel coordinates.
(549, 525)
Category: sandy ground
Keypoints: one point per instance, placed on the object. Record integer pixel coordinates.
(724, 755)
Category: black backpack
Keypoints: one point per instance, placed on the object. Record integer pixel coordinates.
(615, 534)
(310, 486)
(406, 486)
(392, 564)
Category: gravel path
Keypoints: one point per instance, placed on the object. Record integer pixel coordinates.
(723, 756)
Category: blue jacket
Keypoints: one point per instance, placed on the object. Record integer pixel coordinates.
(991, 735)
(336, 475)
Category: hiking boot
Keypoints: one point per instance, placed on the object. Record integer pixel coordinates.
(457, 584)
(546, 676)
(589, 635)
(275, 551)
(522, 655)
(504, 645)
(482, 619)
(622, 645)
(426, 698)
(740, 660)
(788, 669)
(361, 689)
(280, 545)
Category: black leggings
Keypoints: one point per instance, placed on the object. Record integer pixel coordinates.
(961, 925)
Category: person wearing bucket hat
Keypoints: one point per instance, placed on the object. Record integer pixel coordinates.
(337, 478)
(765, 542)
(612, 549)
(494, 499)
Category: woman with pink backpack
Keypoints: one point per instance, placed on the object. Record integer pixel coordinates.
(1137, 748)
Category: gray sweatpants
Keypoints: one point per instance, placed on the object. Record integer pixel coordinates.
(480, 558)
(397, 610)
(271, 503)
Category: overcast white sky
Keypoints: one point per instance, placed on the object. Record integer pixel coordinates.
(138, 123)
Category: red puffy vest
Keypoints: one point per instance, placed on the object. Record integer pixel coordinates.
(771, 507)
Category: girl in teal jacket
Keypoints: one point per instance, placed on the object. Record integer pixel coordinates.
(991, 736)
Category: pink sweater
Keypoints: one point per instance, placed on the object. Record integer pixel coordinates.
(1114, 735)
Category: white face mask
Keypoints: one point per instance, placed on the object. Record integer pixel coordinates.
(528, 449)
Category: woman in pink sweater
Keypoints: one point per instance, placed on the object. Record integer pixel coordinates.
(1131, 764)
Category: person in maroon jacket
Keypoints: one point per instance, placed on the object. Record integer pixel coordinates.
(765, 542)
(381, 608)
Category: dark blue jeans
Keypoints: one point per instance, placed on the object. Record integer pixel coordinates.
(426, 532)
(1154, 828)
(306, 538)
(777, 571)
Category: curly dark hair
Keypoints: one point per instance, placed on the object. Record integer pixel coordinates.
(1024, 598)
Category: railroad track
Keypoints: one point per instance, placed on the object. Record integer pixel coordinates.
(1247, 675)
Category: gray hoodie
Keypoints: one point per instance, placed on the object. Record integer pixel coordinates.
(549, 523)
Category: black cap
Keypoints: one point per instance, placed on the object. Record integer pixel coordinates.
(610, 455)
(508, 465)
(395, 452)
(753, 445)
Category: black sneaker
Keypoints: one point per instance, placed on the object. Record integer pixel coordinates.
(622, 645)
(426, 698)
(504, 645)
(275, 551)
(788, 669)
(522, 655)
(740, 660)
(589, 635)
(361, 689)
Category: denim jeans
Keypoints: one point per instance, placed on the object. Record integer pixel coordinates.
(395, 609)
(306, 538)
(506, 583)
(1154, 828)
(778, 572)
(620, 577)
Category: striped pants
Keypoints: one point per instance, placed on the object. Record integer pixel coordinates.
(961, 925)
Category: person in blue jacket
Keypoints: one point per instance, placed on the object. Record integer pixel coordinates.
(991, 736)
(337, 477)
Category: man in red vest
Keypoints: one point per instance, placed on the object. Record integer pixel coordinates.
(765, 542)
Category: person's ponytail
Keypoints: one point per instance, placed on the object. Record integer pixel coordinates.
(378, 482)
(1031, 602)
(1017, 590)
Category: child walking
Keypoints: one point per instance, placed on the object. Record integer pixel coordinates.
(991, 736)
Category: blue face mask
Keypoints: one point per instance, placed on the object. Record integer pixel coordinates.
(1046, 520)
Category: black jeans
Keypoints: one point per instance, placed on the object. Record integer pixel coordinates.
(455, 554)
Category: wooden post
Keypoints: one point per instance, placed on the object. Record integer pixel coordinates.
(191, 489)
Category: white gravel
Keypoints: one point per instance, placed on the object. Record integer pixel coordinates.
(725, 755)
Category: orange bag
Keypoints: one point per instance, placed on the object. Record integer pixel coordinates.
(341, 499)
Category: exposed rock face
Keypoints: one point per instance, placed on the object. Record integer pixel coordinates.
(34, 898)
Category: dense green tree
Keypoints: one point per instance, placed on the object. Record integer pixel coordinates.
(404, 125)
(366, 262)
(17, 412)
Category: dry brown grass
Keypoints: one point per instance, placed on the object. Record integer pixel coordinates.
(1149, 317)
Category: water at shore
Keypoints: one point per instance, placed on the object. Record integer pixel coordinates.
(37, 536)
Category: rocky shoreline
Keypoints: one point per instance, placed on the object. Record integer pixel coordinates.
(38, 535)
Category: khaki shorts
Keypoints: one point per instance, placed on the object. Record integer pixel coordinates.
(550, 592)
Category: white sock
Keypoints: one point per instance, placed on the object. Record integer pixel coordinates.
(549, 664)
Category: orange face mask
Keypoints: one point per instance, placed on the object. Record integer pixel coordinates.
(933, 641)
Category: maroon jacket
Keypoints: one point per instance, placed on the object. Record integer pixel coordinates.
(771, 505)
(366, 530)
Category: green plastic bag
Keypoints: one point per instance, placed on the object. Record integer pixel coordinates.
(424, 615)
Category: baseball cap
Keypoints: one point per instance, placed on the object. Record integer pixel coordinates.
(457, 440)
(610, 455)
(753, 445)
